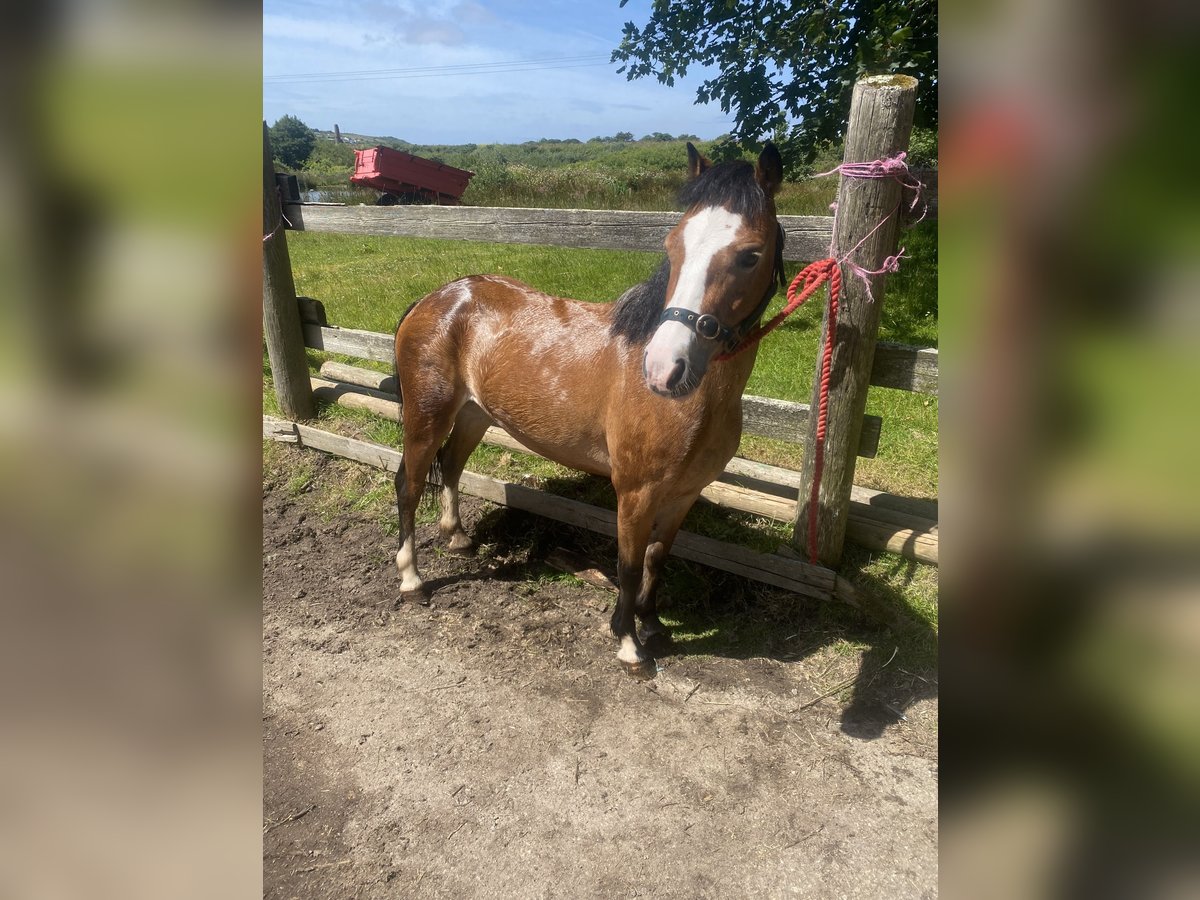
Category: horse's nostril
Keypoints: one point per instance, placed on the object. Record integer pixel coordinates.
(676, 374)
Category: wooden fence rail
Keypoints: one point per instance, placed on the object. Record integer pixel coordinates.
(776, 569)
(878, 521)
(880, 120)
(896, 365)
(764, 416)
(807, 236)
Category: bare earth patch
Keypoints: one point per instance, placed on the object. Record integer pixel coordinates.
(490, 746)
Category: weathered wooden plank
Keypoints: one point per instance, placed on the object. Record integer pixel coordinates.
(908, 542)
(905, 368)
(780, 419)
(875, 528)
(368, 378)
(376, 455)
(782, 482)
(601, 229)
(788, 421)
(350, 342)
(780, 571)
(897, 365)
(732, 496)
(281, 430)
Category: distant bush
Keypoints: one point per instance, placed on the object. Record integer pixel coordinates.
(291, 141)
(330, 158)
(602, 173)
(923, 147)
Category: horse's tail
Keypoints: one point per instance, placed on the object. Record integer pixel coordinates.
(395, 360)
(433, 481)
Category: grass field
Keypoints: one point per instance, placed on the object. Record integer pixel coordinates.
(367, 282)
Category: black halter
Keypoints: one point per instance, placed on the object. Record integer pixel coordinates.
(710, 327)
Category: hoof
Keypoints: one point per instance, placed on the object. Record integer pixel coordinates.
(419, 596)
(658, 641)
(642, 670)
(462, 546)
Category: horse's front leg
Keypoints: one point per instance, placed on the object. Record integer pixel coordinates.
(666, 526)
(634, 522)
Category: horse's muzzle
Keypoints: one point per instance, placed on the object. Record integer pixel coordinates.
(678, 381)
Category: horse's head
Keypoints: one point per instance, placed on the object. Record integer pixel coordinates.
(724, 255)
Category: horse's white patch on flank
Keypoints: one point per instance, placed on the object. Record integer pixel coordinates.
(599, 454)
(705, 235)
(406, 562)
(460, 292)
(628, 653)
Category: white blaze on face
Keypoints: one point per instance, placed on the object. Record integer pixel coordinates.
(704, 236)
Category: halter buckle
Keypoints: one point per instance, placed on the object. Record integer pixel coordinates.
(708, 327)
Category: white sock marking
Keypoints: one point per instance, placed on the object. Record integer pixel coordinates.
(406, 562)
(629, 651)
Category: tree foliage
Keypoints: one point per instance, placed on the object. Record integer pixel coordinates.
(786, 68)
(291, 141)
(327, 157)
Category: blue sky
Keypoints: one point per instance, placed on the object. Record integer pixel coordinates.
(471, 71)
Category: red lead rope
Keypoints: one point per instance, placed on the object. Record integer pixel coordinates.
(803, 286)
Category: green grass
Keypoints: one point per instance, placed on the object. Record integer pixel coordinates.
(368, 282)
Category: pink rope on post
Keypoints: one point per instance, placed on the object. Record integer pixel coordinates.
(890, 264)
(897, 169)
(806, 283)
(893, 167)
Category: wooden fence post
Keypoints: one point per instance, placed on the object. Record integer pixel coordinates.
(881, 115)
(281, 314)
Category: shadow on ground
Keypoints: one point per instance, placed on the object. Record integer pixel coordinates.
(717, 614)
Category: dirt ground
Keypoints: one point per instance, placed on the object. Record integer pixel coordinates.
(489, 745)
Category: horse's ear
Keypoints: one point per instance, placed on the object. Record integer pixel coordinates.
(696, 163)
(769, 172)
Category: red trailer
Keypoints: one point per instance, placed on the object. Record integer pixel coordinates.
(404, 178)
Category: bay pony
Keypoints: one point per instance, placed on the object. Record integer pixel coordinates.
(629, 390)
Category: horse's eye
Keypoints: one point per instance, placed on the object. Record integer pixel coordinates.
(748, 259)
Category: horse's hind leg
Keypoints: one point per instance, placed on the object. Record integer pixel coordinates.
(469, 426)
(410, 484)
(423, 435)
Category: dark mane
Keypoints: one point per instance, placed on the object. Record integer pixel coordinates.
(638, 309)
(728, 184)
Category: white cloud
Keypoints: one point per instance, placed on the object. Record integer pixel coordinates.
(315, 36)
(323, 32)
